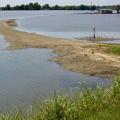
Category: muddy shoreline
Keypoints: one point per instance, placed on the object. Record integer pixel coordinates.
(77, 56)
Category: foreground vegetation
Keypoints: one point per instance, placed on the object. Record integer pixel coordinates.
(100, 104)
(115, 49)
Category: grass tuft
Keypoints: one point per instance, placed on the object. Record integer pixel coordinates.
(115, 49)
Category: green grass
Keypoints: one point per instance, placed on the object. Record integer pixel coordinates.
(115, 49)
(100, 104)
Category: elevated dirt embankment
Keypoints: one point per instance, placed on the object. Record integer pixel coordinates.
(78, 56)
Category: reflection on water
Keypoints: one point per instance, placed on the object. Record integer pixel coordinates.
(26, 75)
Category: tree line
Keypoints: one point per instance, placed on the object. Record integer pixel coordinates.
(37, 6)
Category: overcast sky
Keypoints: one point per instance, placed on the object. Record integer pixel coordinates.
(60, 2)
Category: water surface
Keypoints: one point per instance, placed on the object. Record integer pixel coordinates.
(73, 25)
(66, 24)
(26, 75)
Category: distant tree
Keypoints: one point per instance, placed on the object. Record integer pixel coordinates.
(37, 6)
(22, 7)
(31, 6)
(46, 7)
(8, 7)
(56, 7)
(26, 7)
(82, 7)
(93, 7)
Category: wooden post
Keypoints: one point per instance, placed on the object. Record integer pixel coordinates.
(94, 36)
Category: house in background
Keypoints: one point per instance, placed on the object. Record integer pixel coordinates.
(118, 9)
(105, 11)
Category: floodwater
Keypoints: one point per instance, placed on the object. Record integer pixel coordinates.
(73, 25)
(66, 24)
(26, 75)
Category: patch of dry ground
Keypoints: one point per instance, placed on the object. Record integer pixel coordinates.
(78, 56)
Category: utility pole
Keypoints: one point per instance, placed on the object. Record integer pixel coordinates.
(91, 7)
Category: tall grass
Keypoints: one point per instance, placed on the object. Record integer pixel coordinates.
(116, 49)
(100, 104)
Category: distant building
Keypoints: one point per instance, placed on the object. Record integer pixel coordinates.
(105, 11)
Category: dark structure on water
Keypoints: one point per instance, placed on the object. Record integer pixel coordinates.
(105, 11)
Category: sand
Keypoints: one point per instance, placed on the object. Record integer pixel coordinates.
(74, 55)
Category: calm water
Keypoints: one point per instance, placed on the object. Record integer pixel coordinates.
(73, 25)
(26, 75)
(66, 24)
(32, 14)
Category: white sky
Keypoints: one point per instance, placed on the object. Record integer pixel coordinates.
(61, 2)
